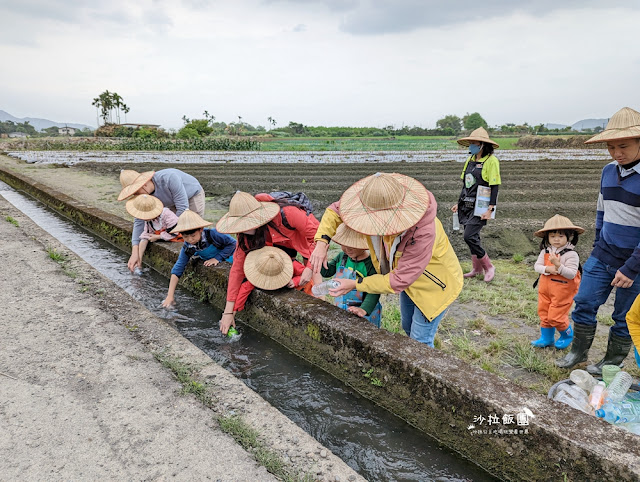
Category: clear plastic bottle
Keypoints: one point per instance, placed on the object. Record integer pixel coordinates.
(456, 222)
(137, 271)
(595, 399)
(575, 391)
(633, 427)
(608, 372)
(618, 387)
(583, 379)
(620, 412)
(324, 287)
(564, 397)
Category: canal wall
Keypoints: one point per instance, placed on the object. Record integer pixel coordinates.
(510, 431)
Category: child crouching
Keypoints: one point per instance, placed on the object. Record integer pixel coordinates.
(354, 262)
(200, 242)
(559, 268)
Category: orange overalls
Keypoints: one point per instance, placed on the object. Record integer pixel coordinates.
(555, 297)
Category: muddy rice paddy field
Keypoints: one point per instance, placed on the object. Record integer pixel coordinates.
(490, 325)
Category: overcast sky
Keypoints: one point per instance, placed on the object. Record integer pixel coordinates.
(321, 62)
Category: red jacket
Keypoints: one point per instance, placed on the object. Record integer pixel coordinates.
(300, 238)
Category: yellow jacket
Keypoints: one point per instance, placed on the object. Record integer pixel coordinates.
(424, 264)
(633, 322)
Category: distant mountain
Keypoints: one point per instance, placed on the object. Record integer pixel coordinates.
(555, 126)
(589, 124)
(40, 124)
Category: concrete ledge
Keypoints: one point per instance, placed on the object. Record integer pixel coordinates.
(436, 392)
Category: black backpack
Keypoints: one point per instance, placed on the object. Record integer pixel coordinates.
(286, 198)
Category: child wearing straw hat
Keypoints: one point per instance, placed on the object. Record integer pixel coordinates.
(259, 221)
(201, 242)
(268, 268)
(559, 269)
(158, 220)
(354, 262)
(615, 259)
(408, 246)
(482, 168)
(176, 190)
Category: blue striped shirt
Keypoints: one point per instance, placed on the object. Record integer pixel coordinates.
(617, 241)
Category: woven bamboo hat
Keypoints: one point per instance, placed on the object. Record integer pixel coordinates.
(479, 135)
(245, 213)
(127, 176)
(625, 124)
(144, 206)
(345, 236)
(189, 220)
(558, 223)
(136, 184)
(268, 268)
(384, 204)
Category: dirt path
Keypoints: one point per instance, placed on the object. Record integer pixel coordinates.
(82, 396)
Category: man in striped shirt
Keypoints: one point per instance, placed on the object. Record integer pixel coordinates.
(615, 259)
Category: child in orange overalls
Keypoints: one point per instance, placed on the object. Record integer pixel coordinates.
(559, 268)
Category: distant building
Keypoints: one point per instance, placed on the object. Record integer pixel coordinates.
(17, 134)
(66, 131)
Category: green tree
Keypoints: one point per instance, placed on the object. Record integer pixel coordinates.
(109, 103)
(51, 131)
(473, 121)
(451, 122)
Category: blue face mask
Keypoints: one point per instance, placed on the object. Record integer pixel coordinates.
(474, 149)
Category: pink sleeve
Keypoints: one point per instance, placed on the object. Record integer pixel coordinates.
(539, 266)
(569, 265)
(415, 258)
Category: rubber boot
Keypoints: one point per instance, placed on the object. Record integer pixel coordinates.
(617, 350)
(546, 337)
(489, 269)
(477, 267)
(566, 337)
(582, 340)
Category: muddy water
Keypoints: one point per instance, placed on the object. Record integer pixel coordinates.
(375, 443)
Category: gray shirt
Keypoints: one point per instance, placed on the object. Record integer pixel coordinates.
(174, 188)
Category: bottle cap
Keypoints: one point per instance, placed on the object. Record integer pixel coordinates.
(600, 413)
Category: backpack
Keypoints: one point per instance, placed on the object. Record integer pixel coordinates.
(565, 250)
(299, 200)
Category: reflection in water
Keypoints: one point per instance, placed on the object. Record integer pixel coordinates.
(375, 443)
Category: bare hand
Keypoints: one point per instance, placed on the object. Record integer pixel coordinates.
(134, 262)
(454, 208)
(168, 302)
(621, 281)
(318, 258)
(551, 270)
(305, 277)
(226, 321)
(555, 259)
(291, 284)
(356, 310)
(346, 285)
(154, 237)
(211, 262)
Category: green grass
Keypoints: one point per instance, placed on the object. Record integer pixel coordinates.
(184, 373)
(56, 256)
(13, 221)
(523, 355)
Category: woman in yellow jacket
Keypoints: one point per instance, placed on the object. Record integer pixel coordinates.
(408, 246)
(633, 323)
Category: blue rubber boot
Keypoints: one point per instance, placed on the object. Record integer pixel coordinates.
(546, 338)
(637, 357)
(566, 337)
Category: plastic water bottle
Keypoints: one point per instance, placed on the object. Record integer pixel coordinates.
(595, 399)
(620, 412)
(324, 287)
(575, 391)
(618, 387)
(583, 379)
(456, 222)
(608, 372)
(137, 271)
(631, 427)
(564, 397)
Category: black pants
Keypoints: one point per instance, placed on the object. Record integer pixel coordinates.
(472, 237)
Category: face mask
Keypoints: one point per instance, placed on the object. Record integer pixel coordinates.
(474, 149)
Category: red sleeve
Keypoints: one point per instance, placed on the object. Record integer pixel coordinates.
(305, 227)
(243, 293)
(236, 275)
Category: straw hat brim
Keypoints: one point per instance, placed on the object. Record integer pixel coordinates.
(384, 222)
(615, 135)
(144, 215)
(346, 236)
(465, 141)
(132, 188)
(188, 221)
(127, 176)
(238, 224)
(577, 229)
(261, 280)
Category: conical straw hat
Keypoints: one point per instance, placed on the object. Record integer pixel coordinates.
(479, 135)
(144, 207)
(345, 236)
(137, 183)
(189, 220)
(625, 124)
(127, 176)
(268, 268)
(384, 204)
(245, 213)
(558, 223)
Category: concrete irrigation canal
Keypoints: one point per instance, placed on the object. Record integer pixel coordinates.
(511, 432)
